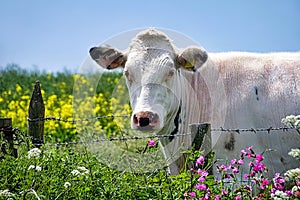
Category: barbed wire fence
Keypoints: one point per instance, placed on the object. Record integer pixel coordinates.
(36, 118)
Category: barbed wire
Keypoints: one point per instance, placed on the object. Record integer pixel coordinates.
(110, 139)
(77, 120)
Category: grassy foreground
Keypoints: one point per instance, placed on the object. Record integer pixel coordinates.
(76, 172)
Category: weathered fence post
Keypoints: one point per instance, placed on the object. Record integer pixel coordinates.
(201, 135)
(6, 128)
(36, 113)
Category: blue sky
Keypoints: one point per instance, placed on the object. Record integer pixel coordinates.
(52, 35)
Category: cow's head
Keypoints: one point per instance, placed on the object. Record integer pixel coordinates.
(151, 67)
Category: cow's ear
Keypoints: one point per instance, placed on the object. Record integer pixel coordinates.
(108, 57)
(192, 58)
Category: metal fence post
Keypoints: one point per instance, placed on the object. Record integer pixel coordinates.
(36, 111)
(201, 135)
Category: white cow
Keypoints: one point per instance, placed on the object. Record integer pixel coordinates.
(171, 88)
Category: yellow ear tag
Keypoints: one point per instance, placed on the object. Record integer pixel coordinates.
(189, 66)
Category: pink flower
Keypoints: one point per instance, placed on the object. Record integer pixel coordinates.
(238, 197)
(264, 183)
(217, 197)
(259, 158)
(246, 176)
(224, 192)
(201, 179)
(243, 152)
(249, 148)
(259, 167)
(192, 194)
(233, 161)
(199, 161)
(235, 170)
(204, 173)
(151, 143)
(227, 175)
(201, 187)
(240, 162)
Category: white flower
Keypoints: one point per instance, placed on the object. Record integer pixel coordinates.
(31, 167)
(295, 153)
(6, 193)
(295, 188)
(34, 153)
(279, 195)
(75, 172)
(67, 184)
(83, 170)
(37, 168)
(292, 174)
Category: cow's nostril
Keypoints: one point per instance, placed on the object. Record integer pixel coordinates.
(144, 122)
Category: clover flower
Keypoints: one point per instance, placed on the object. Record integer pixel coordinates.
(75, 172)
(80, 171)
(37, 168)
(34, 153)
(6, 193)
(67, 184)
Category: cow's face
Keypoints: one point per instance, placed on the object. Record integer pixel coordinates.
(152, 77)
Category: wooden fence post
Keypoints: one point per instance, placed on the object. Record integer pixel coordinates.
(6, 128)
(201, 135)
(36, 113)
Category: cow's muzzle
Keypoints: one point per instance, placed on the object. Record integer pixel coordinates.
(145, 121)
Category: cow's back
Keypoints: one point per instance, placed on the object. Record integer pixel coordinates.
(257, 91)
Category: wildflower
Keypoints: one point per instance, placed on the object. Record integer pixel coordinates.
(249, 148)
(259, 158)
(222, 168)
(217, 197)
(259, 167)
(292, 174)
(243, 153)
(34, 153)
(151, 143)
(295, 153)
(264, 183)
(75, 172)
(233, 161)
(246, 176)
(235, 170)
(31, 167)
(37, 168)
(201, 179)
(192, 194)
(199, 161)
(83, 170)
(240, 162)
(224, 192)
(238, 197)
(201, 187)
(279, 195)
(6, 193)
(67, 184)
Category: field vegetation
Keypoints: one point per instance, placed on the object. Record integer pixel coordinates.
(64, 168)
